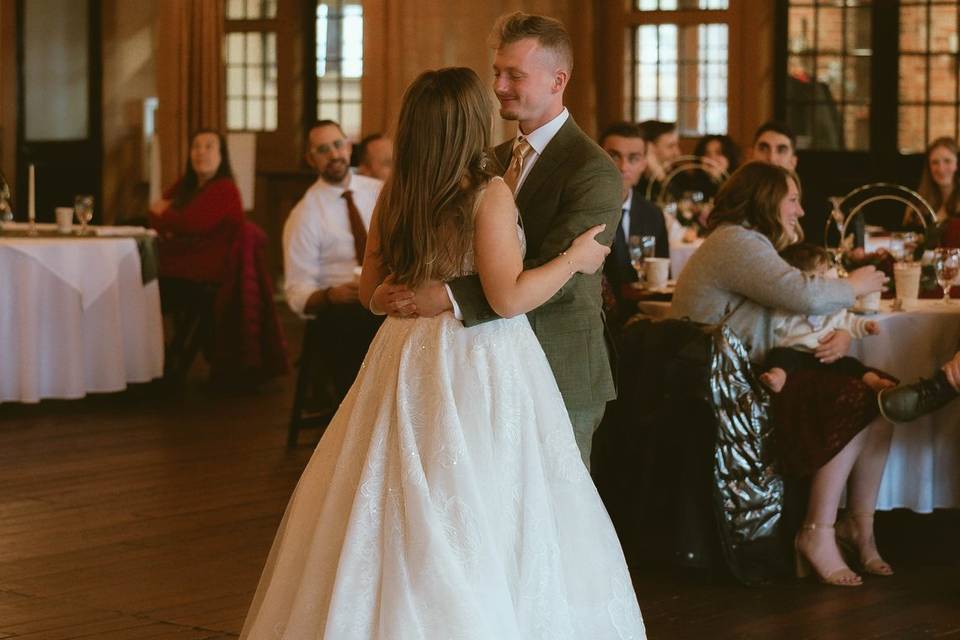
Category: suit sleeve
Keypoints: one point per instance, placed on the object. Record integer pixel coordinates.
(592, 196)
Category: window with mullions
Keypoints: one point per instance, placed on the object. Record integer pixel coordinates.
(250, 54)
(679, 74)
(339, 62)
(828, 73)
(929, 91)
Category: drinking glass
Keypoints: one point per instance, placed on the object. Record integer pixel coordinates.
(6, 212)
(635, 247)
(83, 208)
(946, 265)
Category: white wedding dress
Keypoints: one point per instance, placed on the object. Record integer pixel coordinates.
(447, 501)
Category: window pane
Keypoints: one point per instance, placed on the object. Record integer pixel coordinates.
(943, 121)
(928, 72)
(943, 78)
(829, 73)
(251, 79)
(680, 74)
(911, 130)
(236, 9)
(339, 62)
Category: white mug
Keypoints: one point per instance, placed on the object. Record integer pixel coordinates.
(64, 217)
(656, 270)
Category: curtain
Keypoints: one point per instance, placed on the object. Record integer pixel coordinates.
(190, 77)
(402, 39)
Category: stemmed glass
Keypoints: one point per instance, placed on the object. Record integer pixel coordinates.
(83, 208)
(946, 265)
(6, 213)
(641, 247)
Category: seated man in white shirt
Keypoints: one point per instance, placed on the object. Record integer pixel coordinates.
(323, 243)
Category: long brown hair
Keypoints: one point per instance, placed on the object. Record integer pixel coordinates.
(426, 210)
(751, 197)
(930, 190)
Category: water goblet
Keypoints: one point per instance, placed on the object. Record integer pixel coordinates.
(946, 266)
(83, 208)
(635, 248)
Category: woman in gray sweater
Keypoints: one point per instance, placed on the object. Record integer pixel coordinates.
(841, 439)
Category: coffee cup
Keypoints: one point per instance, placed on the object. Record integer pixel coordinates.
(656, 270)
(906, 278)
(64, 217)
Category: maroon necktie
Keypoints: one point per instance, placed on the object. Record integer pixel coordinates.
(356, 226)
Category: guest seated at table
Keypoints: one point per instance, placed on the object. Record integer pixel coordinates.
(663, 147)
(323, 244)
(197, 220)
(721, 157)
(911, 401)
(797, 336)
(940, 187)
(625, 145)
(374, 156)
(829, 430)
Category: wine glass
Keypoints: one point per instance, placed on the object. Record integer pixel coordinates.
(635, 247)
(6, 212)
(946, 265)
(83, 208)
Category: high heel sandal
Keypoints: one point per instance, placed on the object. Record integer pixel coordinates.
(840, 577)
(874, 565)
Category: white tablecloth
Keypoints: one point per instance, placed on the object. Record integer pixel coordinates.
(923, 471)
(75, 318)
(680, 253)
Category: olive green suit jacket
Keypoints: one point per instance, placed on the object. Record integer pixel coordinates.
(572, 186)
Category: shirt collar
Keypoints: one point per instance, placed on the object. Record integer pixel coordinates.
(335, 189)
(629, 201)
(540, 137)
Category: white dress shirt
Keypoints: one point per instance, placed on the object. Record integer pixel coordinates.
(539, 138)
(318, 248)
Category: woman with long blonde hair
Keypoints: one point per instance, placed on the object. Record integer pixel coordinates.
(447, 498)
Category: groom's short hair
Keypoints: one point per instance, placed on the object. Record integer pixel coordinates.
(548, 32)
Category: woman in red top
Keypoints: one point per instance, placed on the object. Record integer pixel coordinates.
(199, 216)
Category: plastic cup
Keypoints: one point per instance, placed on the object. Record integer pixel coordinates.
(906, 278)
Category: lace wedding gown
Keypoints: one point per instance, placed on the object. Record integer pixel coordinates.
(447, 501)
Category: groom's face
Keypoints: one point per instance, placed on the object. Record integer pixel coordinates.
(525, 79)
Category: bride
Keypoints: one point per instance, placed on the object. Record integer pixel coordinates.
(447, 498)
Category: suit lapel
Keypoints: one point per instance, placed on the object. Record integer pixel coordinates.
(502, 153)
(548, 162)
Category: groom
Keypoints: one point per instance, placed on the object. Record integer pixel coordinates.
(563, 184)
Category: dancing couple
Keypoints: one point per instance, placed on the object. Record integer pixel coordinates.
(448, 497)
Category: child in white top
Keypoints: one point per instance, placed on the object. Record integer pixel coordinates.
(796, 337)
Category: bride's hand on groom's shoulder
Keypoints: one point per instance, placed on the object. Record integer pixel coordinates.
(393, 299)
(586, 254)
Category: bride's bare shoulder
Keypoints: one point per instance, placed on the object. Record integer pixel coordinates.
(496, 197)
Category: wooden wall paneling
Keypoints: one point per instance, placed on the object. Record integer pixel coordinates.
(752, 69)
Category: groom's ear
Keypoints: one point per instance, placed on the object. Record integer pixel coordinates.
(560, 79)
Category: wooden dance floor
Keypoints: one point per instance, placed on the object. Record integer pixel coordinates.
(148, 515)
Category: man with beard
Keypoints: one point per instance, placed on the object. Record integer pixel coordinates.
(323, 243)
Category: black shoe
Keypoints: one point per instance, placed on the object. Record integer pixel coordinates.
(910, 401)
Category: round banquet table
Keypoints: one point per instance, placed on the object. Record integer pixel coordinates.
(923, 471)
(75, 315)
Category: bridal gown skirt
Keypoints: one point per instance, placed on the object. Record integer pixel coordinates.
(447, 501)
